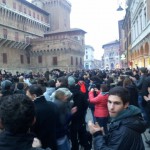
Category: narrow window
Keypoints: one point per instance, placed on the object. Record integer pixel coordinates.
(4, 58)
(38, 16)
(4, 1)
(76, 61)
(54, 60)
(28, 59)
(80, 61)
(20, 8)
(39, 59)
(33, 14)
(21, 59)
(41, 18)
(25, 11)
(29, 12)
(5, 33)
(71, 60)
(16, 36)
(14, 5)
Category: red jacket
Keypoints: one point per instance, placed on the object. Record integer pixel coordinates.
(100, 102)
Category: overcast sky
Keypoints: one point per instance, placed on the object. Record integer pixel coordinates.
(99, 19)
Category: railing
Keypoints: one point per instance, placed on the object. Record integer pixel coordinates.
(24, 15)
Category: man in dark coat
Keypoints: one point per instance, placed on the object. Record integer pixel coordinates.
(17, 115)
(126, 124)
(78, 132)
(46, 117)
(139, 85)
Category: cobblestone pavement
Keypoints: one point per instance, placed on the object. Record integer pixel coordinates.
(147, 134)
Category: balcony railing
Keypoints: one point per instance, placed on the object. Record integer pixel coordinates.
(23, 15)
(12, 43)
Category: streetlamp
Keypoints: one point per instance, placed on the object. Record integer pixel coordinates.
(119, 8)
(122, 5)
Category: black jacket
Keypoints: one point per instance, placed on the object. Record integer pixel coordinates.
(124, 134)
(9, 141)
(64, 118)
(139, 83)
(133, 93)
(80, 102)
(45, 126)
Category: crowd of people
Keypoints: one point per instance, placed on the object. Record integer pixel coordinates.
(48, 110)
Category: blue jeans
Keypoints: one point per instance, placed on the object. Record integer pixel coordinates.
(63, 144)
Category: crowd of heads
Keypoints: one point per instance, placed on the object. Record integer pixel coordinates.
(21, 104)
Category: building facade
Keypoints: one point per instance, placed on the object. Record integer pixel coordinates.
(59, 50)
(97, 64)
(140, 33)
(137, 33)
(89, 57)
(111, 57)
(31, 35)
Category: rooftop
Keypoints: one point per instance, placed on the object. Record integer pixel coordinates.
(64, 31)
(111, 43)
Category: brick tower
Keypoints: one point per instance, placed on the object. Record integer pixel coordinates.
(59, 11)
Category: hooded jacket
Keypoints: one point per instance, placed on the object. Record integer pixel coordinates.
(100, 102)
(124, 133)
(48, 93)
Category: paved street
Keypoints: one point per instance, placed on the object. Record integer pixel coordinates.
(147, 134)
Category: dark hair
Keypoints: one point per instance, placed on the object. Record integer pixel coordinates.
(51, 83)
(35, 89)
(143, 70)
(94, 78)
(120, 92)
(17, 113)
(127, 82)
(20, 86)
(104, 88)
(63, 80)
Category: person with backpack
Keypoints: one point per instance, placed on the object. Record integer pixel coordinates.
(78, 133)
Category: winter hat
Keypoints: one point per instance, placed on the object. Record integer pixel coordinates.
(71, 81)
(6, 85)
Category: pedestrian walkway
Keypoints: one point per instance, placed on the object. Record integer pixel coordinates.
(146, 136)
